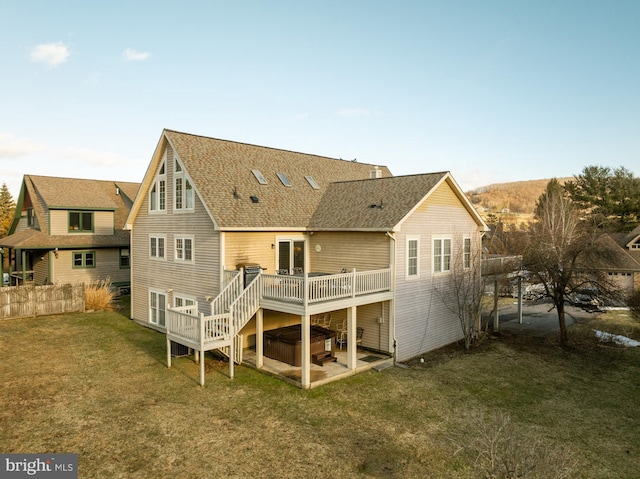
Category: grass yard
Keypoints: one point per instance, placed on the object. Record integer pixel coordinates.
(97, 385)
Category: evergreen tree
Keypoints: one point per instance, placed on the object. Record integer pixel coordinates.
(7, 209)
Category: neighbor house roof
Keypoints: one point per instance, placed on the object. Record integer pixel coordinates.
(628, 258)
(44, 193)
(341, 198)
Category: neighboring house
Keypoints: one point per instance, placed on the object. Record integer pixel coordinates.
(626, 270)
(334, 239)
(70, 230)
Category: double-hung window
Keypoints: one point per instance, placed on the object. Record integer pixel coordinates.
(412, 257)
(84, 259)
(184, 301)
(157, 308)
(184, 249)
(158, 194)
(183, 188)
(466, 260)
(156, 247)
(441, 255)
(125, 258)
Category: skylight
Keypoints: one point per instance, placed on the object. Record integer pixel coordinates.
(312, 182)
(284, 179)
(261, 179)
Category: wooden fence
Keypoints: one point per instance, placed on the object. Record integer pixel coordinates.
(30, 300)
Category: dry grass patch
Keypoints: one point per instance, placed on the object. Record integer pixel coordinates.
(99, 295)
(97, 385)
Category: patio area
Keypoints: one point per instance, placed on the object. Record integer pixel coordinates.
(330, 371)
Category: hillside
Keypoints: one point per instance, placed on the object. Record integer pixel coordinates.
(518, 197)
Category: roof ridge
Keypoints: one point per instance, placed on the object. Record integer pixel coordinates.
(268, 147)
(396, 177)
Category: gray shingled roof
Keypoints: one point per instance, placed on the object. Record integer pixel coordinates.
(72, 193)
(218, 167)
(379, 204)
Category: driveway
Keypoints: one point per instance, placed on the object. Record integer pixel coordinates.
(538, 318)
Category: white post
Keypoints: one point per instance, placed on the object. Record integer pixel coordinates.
(306, 351)
(352, 346)
(168, 352)
(259, 338)
(232, 349)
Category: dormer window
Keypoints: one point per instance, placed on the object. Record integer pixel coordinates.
(259, 176)
(284, 179)
(80, 221)
(375, 173)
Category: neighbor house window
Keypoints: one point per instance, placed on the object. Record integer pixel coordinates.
(84, 259)
(466, 260)
(30, 217)
(184, 249)
(125, 258)
(156, 247)
(183, 189)
(80, 221)
(441, 255)
(157, 308)
(158, 194)
(412, 257)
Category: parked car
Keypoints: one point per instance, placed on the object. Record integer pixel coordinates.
(5, 279)
(587, 299)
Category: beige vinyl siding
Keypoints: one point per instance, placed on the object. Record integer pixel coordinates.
(41, 267)
(107, 265)
(422, 321)
(252, 247)
(103, 223)
(199, 279)
(363, 251)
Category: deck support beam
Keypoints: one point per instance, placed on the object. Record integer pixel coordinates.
(260, 338)
(352, 346)
(306, 351)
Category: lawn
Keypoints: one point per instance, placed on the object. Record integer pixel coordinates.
(96, 384)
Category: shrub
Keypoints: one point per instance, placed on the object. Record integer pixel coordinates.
(98, 295)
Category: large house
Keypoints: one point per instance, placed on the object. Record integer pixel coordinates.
(292, 257)
(68, 230)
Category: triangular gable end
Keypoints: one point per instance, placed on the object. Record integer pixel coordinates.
(457, 191)
(149, 178)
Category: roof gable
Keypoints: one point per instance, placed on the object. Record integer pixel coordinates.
(222, 173)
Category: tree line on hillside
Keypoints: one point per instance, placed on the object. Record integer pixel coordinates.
(567, 247)
(7, 209)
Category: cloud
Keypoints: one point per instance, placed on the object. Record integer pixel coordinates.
(12, 147)
(52, 54)
(351, 112)
(132, 55)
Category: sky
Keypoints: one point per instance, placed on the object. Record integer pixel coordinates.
(492, 91)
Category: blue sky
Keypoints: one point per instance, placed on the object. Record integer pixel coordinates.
(492, 91)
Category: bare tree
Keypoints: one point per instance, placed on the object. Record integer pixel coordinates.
(564, 253)
(461, 290)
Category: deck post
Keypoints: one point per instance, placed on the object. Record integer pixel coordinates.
(168, 352)
(260, 338)
(306, 351)
(202, 371)
(352, 346)
(232, 347)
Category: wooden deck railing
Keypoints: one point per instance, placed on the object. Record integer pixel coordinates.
(228, 295)
(185, 322)
(315, 289)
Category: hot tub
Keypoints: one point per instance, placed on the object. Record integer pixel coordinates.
(285, 344)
